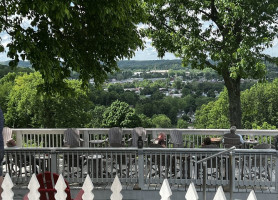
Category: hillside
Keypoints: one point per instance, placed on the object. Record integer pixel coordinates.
(21, 63)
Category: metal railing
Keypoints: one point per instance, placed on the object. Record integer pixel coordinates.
(204, 161)
(193, 138)
(256, 168)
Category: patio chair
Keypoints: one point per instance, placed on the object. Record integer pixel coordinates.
(71, 160)
(176, 139)
(136, 132)
(158, 164)
(47, 181)
(229, 142)
(115, 135)
(7, 135)
(258, 166)
(179, 164)
(215, 165)
(22, 163)
(115, 140)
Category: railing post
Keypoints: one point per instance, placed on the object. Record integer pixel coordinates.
(18, 138)
(276, 171)
(232, 174)
(141, 168)
(53, 161)
(205, 180)
(86, 138)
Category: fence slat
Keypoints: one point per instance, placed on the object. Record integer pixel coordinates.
(165, 191)
(88, 188)
(219, 194)
(252, 196)
(7, 186)
(60, 188)
(191, 193)
(116, 189)
(33, 186)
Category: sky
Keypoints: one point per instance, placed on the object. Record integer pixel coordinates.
(149, 53)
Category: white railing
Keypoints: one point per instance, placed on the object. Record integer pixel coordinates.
(192, 137)
(116, 188)
(147, 166)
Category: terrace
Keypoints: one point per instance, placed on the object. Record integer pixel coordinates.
(142, 171)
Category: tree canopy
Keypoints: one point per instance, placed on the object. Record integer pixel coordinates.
(58, 37)
(259, 109)
(28, 108)
(227, 36)
(119, 114)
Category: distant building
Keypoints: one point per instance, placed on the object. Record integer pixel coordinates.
(138, 73)
(159, 71)
(176, 95)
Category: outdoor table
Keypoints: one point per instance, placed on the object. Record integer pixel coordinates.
(97, 143)
(216, 141)
(43, 161)
(94, 165)
(249, 143)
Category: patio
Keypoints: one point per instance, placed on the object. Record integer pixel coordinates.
(145, 168)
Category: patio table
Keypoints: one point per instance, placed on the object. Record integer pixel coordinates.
(216, 141)
(97, 143)
(250, 143)
(94, 165)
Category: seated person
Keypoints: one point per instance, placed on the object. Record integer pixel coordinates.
(11, 143)
(161, 139)
(233, 139)
(207, 143)
(233, 134)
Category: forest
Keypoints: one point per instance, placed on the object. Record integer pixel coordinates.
(131, 104)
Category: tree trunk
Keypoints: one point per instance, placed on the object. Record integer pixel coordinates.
(233, 87)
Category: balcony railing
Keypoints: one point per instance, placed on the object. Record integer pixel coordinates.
(193, 137)
(143, 167)
(253, 168)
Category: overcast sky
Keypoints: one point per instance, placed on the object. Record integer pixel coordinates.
(149, 53)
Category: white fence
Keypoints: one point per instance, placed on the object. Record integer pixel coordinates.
(116, 188)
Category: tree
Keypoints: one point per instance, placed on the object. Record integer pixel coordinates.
(161, 121)
(119, 114)
(96, 120)
(71, 35)
(227, 36)
(177, 84)
(146, 121)
(214, 114)
(6, 83)
(259, 108)
(29, 108)
(182, 124)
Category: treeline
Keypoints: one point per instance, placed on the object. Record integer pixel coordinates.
(4, 69)
(259, 109)
(25, 106)
(150, 64)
